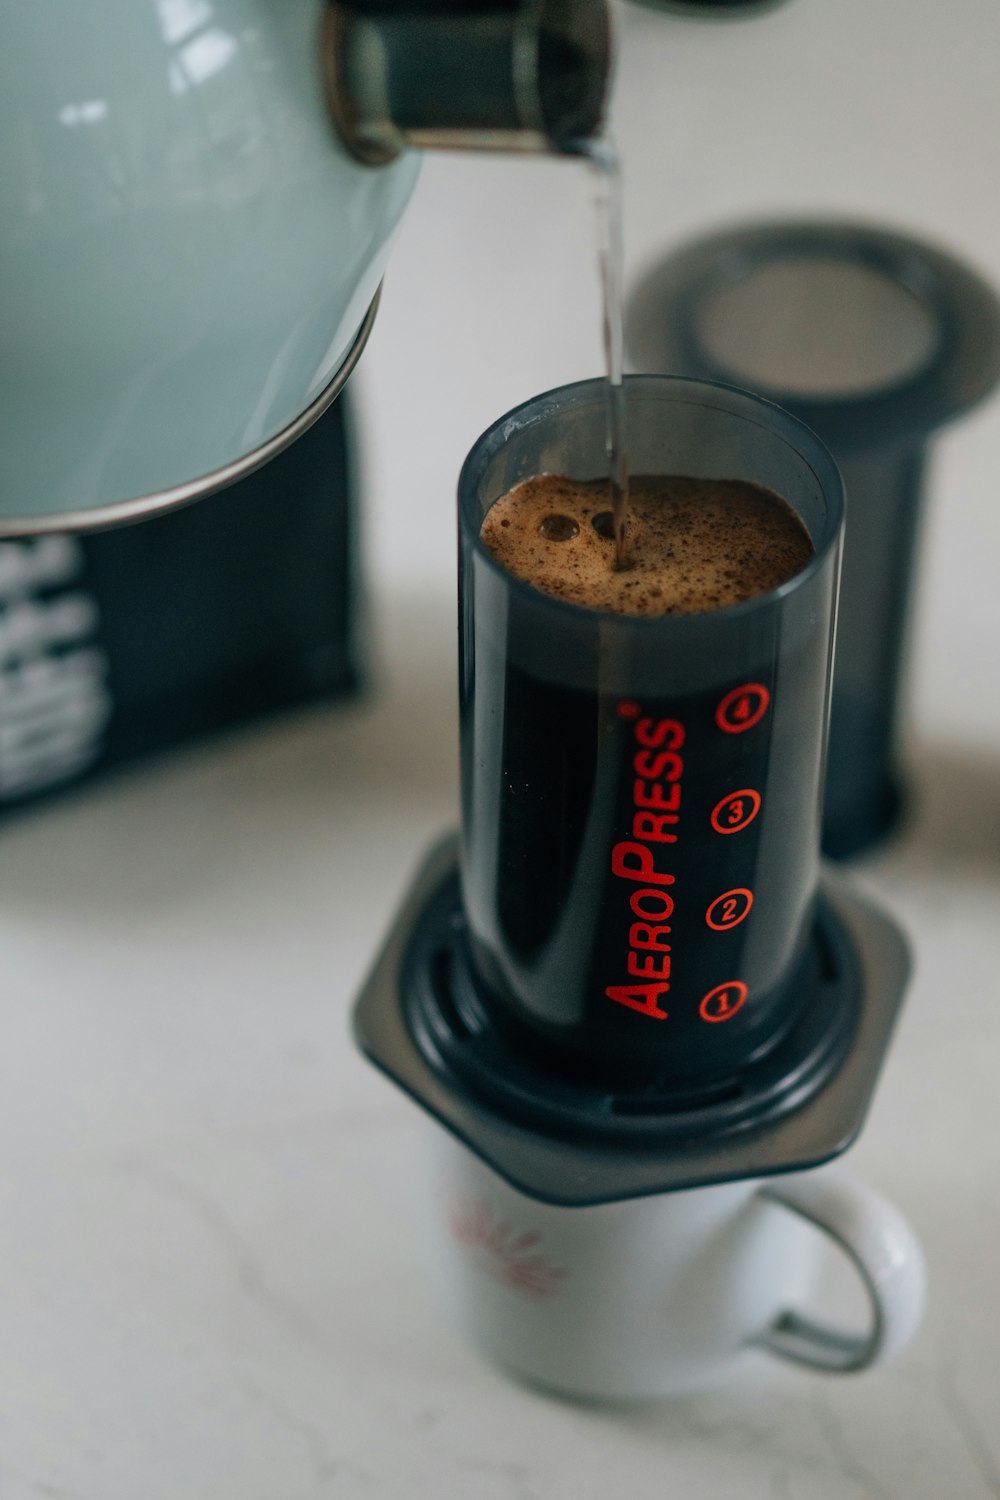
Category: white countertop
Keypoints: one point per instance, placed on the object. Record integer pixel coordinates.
(209, 1287)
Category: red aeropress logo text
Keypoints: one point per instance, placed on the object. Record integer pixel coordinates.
(657, 768)
(644, 859)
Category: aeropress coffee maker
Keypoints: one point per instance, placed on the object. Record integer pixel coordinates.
(625, 991)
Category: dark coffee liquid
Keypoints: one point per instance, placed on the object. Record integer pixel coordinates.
(695, 544)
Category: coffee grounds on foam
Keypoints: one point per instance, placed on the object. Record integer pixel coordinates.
(694, 544)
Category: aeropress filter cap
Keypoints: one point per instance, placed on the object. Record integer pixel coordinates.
(603, 1001)
(874, 339)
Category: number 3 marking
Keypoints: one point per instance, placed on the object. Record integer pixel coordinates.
(736, 811)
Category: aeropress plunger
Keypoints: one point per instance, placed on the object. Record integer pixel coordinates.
(874, 339)
(628, 977)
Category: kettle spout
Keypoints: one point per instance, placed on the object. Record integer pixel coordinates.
(504, 75)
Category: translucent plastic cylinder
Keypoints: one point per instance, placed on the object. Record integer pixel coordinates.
(618, 946)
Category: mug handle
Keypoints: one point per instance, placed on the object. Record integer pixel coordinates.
(885, 1252)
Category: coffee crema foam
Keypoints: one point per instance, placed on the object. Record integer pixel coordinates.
(694, 544)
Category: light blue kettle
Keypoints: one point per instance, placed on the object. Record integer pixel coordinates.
(197, 199)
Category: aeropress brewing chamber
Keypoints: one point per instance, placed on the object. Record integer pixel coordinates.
(627, 974)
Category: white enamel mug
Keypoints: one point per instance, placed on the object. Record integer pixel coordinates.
(657, 1296)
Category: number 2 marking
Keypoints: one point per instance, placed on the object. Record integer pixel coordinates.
(729, 909)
